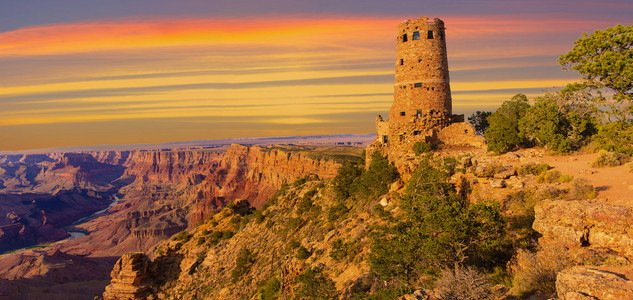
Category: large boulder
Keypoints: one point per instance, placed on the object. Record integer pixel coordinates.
(585, 223)
(580, 283)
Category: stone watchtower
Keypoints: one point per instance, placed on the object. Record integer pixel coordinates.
(422, 104)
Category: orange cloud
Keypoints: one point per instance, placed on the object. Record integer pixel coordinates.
(129, 34)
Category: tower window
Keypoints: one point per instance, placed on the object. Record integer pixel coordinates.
(419, 60)
(429, 35)
(432, 88)
(441, 35)
(402, 114)
(416, 35)
(385, 139)
(401, 61)
(404, 37)
(418, 84)
(419, 113)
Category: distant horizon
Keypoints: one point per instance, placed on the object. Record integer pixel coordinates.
(291, 140)
(152, 72)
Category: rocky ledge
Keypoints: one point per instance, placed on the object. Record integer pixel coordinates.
(583, 283)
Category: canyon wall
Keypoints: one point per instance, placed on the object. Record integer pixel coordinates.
(160, 193)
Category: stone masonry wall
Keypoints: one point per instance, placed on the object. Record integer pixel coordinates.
(422, 96)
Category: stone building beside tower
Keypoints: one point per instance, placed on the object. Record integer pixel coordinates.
(422, 105)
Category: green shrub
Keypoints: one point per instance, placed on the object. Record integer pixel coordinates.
(182, 236)
(215, 237)
(294, 223)
(422, 147)
(293, 244)
(243, 263)
(548, 177)
(479, 120)
(269, 289)
(241, 207)
(300, 181)
(503, 133)
(532, 169)
(235, 219)
(616, 137)
(338, 250)
(303, 253)
(313, 283)
(437, 229)
(306, 204)
(610, 159)
(629, 167)
(581, 189)
(343, 183)
(337, 211)
(201, 240)
(259, 216)
(376, 180)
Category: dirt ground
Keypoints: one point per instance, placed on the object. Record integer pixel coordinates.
(613, 184)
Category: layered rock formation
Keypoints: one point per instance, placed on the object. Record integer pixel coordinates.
(161, 193)
(129, 278)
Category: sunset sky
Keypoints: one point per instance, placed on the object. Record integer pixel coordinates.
(90, 72)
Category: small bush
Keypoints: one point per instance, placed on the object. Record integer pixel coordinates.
(300, 181)
(303, 253)
(536, 272)
(241, 207)
(269, 289)
(532, 169)
(293, 244)
(338, 250)
(337, 211)
(315, 284)
(629, 166)
(182, 236)
(294, 223)
(565, 178)
(422, 147)
(581, 189)
(610, 159)
(463, 283)
(216, 236)
(235, 219)
(201, 240)
(306, 204)
(259, 216)
(243, 263)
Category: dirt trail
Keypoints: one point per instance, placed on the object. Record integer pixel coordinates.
(614, 184)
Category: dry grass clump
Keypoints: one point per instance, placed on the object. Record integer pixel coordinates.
(463, 283)
(609, 159)
(553, 176)
(536, 272)
(581, 189)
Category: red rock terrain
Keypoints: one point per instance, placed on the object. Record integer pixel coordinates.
(161, 193)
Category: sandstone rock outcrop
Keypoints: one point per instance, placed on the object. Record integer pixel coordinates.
(585, 283)
(129, 278)
(584, 223)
